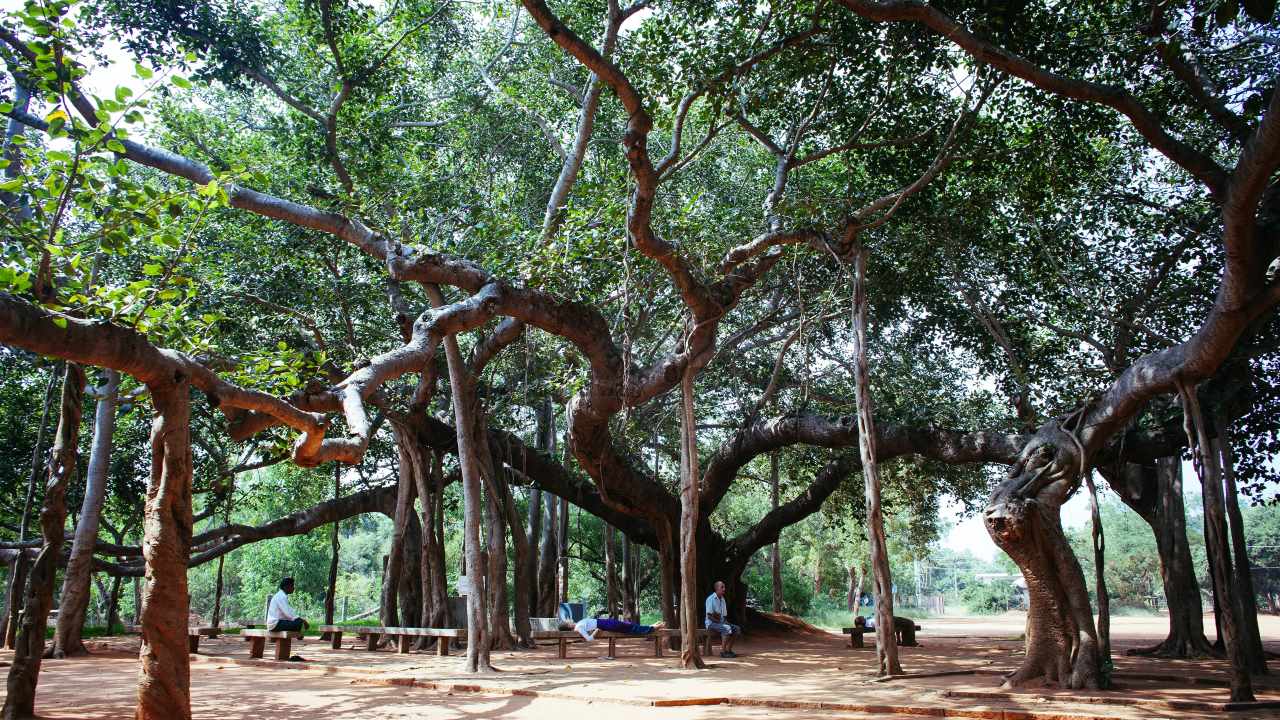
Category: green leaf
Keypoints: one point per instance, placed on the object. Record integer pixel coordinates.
(60, 322)
(152, 269)
(143, 71)
(116, 146)
(181, 82)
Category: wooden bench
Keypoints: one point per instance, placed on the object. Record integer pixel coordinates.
(855, 635)
(370, 635)
(658, 637)
(194, 635)
(258, 639)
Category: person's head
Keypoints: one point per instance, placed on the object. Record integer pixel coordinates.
(859, 621)
(719, 588)
(287, 585)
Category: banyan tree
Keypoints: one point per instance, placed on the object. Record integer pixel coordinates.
(623, 256)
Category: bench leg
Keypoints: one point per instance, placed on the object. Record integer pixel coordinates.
(405, 642)
(706, 646)
(657, 645)
(335, 640)
(613, 648)
(256, 646)
(856, 641)
(282, 648)
(371, 642)
(442, 646)
(562, 649)
(193, 644)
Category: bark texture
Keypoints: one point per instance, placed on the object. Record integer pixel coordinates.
(164, 680)
(76, 579)
(1023, 517)
(689, 481)
(28, 652)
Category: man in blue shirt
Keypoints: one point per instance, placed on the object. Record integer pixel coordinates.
(717, 621)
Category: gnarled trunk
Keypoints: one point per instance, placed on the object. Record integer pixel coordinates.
(164, 680)
(1022, 516)
(29, 647)
(76, 579)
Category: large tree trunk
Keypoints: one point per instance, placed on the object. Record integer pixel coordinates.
(1161, 505)
(535, 534)
(430, 565)
(775, 556)
(1023, 518)
(1245, 597)
(76, 579)
(24, 673)
(1217, 543)
(689, 481)
(164, 680)
(886, 641)
(410, 589)
(18, 574)
(405, 492)
(499, 617)
(331, 587)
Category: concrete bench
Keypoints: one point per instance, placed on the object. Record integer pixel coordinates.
(194, 635)
(258, 639)
(370, 635)
(658, 637)
(855, 636)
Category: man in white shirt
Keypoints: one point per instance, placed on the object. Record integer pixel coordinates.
(280, 615)
(717, 621)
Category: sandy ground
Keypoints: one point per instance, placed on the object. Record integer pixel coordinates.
(791, 676)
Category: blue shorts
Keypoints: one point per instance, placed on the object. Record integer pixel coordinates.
(725, 629)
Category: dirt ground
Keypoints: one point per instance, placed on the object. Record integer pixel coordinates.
(791, 676)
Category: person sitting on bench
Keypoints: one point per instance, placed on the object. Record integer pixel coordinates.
(717, 621)
(903, 626)
(587, 627)
(281, 617)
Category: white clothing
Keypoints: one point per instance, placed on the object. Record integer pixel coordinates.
(278, 609)
(716, 604)
(586, 627)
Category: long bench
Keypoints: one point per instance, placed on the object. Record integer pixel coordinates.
(370, 635)
(195, 633)
(658, 637)
(855, 635)
(258, 638)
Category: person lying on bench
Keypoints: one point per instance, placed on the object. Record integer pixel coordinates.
(904, 626)
(280, 615)
(717, 621)
(587, 627)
